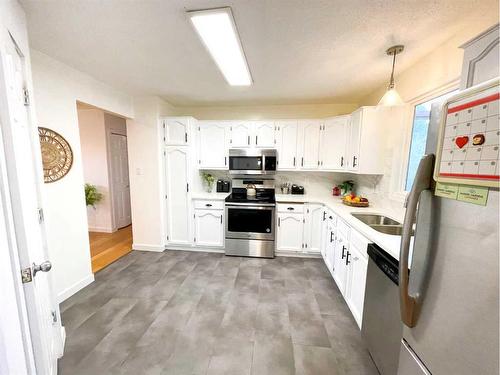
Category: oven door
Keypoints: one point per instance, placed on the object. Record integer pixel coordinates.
(249, 222)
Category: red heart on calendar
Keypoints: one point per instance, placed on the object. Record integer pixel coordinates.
(461, 141)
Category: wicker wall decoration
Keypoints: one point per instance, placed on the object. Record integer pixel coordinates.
(57, 156)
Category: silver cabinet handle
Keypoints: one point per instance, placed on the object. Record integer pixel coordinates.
(43, 267)
(294, 161)
(408, 303)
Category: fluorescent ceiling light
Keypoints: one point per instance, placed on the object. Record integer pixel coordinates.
(217, 30)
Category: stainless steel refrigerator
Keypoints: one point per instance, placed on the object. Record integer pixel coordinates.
(450, 297)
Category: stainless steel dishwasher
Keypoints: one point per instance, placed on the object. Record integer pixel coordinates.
(382, 328)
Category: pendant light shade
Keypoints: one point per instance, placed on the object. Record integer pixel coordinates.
(391, 97)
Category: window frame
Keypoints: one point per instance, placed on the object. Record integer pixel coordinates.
(401, 191)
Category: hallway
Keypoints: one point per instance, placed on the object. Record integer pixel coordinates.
(105, 248)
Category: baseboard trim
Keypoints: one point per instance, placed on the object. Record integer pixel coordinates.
(145, 247)
(102, 230)
(79, 285)
(284, 253)
(195, 249)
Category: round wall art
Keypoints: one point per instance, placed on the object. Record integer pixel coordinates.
(57, 156)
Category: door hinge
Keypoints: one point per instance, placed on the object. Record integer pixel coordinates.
(40, 216)
(26, 96)
(26, 275)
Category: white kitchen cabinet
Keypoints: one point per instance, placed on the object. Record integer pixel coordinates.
(209, 228)
(309, 136)
(290, 232)
(339, 263)
(312, 228)
(369, 134)
(357, 263)
(286, 142)
(241, 134)
(177, 173)
(264, 134)
(177, 130)
(329, 240)
(213, 144)
(333, 143)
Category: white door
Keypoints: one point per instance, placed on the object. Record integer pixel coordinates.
(354, 139)
(213, 142)
(334, 143)
(287, 145)
(358, 266)
(290, 232)
(313, 226)
(241, 134)
(24, 173)
(120, 180)
(209, 228)
(339, 262)
(179, 217)
(264, 132)
(310, 133)
(176, 131)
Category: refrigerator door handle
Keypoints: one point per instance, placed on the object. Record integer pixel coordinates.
(423, 181)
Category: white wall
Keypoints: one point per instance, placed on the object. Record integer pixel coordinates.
(95, 167)
(57, 87)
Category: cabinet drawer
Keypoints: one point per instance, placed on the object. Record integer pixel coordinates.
(343, 228)
(208, 204)
(359, 241)
(291, 208)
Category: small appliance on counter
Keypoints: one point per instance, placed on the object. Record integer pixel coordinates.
(223, 186)
(296, 189)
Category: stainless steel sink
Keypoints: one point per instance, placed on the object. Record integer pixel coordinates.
(374, 219)
(381, 223)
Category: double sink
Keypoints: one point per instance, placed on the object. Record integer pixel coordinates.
(381, 223)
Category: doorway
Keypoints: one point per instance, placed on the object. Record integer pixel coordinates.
(103, 138)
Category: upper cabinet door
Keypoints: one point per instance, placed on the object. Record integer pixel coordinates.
(241, 134)
(354, 140)
(286, 135)
(264, 134)
(176, 131)
(213, 143)
(309, 131)
(333, 143)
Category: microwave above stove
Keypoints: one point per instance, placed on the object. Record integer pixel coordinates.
(252, 161)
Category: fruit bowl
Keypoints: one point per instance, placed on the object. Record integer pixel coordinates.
(353, 203)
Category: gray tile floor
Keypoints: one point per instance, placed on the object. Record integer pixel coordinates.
(203, 313)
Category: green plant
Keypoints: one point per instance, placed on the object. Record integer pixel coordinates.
(346, 187)
(209, 180)
(92, 196)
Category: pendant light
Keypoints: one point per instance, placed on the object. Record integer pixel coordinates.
(391, 97)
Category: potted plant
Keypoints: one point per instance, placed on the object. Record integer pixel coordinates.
(346, 187)
(209, 181)
(92, 195)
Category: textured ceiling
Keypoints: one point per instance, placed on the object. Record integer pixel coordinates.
(315, 51)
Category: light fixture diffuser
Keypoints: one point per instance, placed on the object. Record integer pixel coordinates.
(391, 96)
(217, 30)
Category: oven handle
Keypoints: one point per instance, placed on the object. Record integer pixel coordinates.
(245, 206)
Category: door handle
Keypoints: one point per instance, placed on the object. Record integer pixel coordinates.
(248, 140)
(354, 158)
(290, 208)
(208, 205)
(409, 303)
(294, 161)
(331, 236)
(341, 161)
(343, 249)
(256, 140)
(324, 215)
(42, 267)
(302, 163)
(279, 221)
(347, 259)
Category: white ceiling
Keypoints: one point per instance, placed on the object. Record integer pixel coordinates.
(315, 51)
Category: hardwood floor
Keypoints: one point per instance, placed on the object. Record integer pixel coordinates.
(105, 248)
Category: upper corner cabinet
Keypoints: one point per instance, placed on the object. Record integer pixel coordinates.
(177, 130)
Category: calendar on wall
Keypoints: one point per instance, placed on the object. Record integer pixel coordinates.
(469, 137)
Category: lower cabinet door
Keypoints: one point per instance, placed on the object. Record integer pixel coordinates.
(209, 228)
(339, 263)
(357, 267)
(312, 228)
(290, 232)
(330, 248)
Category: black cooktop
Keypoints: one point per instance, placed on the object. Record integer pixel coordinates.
(262, 196)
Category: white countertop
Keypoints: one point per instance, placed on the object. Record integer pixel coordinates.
(389, 243)
(212, 196)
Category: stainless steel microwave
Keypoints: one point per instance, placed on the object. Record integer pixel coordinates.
(252, 161)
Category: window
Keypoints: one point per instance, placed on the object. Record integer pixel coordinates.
(419, 131)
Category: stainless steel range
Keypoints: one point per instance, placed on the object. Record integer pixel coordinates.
(250, 218)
